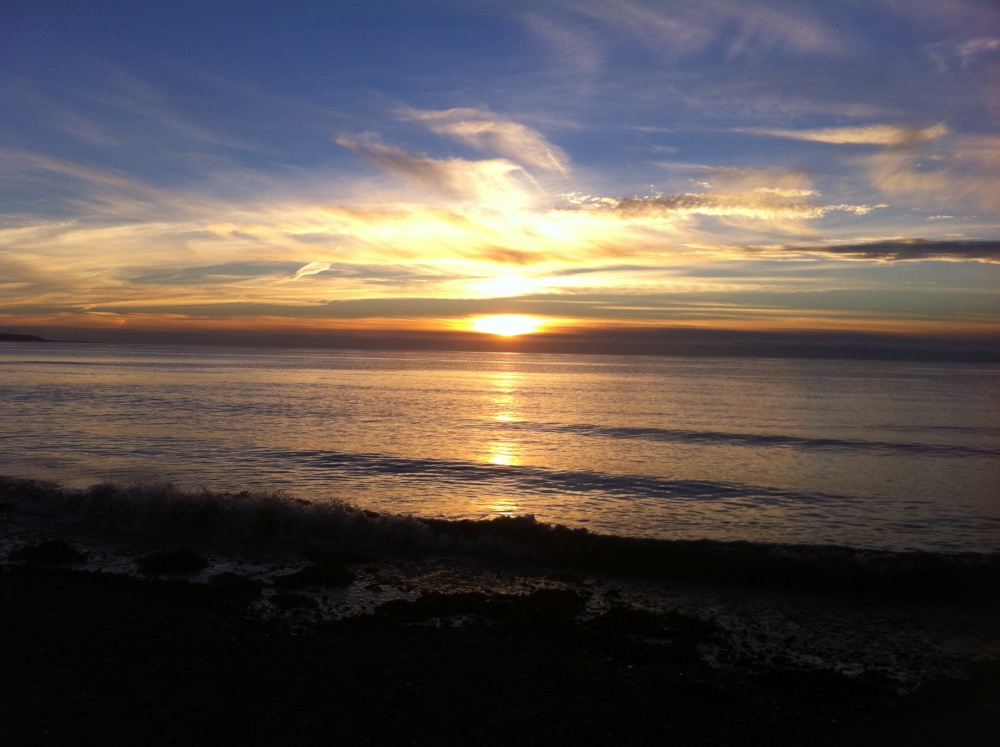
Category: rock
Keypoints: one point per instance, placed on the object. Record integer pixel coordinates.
(318, 574)
(53, 552)
(172, 561)
(326, 555)
(434, 604)
(287, 601)
(233, 584)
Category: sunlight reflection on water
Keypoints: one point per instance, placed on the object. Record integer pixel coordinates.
(877, 454)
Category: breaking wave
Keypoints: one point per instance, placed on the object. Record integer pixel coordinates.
(268, 516)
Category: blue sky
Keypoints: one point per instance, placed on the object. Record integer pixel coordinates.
(416, 165)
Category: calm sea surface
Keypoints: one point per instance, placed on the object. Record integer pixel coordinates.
(865, 454)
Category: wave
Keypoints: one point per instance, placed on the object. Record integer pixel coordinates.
(675, 435)
(541, 479)
(268, 516)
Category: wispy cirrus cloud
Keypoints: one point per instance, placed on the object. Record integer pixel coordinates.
(229, 272)
(931, 164)
(963, 173)
(581, 51)
(135, 96)
(313, 268)
(673, 33)
(485, 131)
(492, 180)
(780, 182)
(742, 30)
(762, 203)
(960, 55)
(761, 30)
(877, 134)
(97, 191)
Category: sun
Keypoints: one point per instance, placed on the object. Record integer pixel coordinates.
(506, 325)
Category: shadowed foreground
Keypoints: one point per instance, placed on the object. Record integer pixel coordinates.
(93, 658)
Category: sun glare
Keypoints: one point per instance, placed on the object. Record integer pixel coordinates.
(506, 325)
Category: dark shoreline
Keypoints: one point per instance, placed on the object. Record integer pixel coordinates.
(98, 658)
(191, 618)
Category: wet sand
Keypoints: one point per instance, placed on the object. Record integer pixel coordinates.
(97, 658)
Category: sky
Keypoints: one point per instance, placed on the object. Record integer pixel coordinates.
(614, 170)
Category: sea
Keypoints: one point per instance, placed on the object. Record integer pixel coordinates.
(865, 454)
(824, 514)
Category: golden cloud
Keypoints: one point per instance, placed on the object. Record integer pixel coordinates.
(881, 134)
(486, 132)
(495, 181)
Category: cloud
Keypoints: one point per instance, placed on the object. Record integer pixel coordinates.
(762, 30)
(951, 55)
(762, 203)
(133, 95)
(107, 192)
(902, 250)
(965, 173)
(237, 272)
(580, 50)
(486, 132)
(230, 272)
(972, 49)
(742, 30)
(779, 182)
(880, 134)
(313, 268)
(504, 255)
(495, 180)
(919, 165)
(672, 33)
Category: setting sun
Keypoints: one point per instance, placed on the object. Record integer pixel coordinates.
(506, 325)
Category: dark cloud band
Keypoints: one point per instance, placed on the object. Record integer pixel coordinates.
(901, 250)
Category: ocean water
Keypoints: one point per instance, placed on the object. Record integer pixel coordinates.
(872, 455)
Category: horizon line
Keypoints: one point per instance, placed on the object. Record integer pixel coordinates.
(658, 341)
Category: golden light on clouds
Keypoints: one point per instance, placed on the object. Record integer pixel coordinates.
(506, 325)
(144, 196)
(505, 286)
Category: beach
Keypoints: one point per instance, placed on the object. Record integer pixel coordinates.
(96, 659)
(324, 645)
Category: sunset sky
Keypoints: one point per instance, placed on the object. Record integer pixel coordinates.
(411, 167)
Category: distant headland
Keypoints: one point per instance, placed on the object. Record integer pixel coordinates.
(7, 337)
